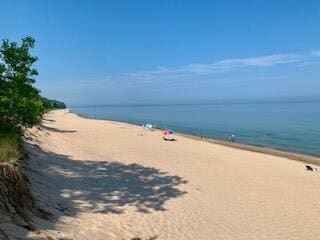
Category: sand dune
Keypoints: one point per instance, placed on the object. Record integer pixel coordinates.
(108, 180)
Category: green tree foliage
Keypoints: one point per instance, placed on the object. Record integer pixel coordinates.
(20, 102)
(52, 104)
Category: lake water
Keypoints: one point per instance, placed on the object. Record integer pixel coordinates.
(287, 126)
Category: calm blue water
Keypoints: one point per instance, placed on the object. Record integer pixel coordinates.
(288, 126)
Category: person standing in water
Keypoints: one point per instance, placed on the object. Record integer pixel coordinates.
(231, 137)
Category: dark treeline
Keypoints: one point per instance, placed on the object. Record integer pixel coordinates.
(52, 104)
(20, 102)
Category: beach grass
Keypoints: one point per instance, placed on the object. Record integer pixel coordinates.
(9, 147)
(15, 196)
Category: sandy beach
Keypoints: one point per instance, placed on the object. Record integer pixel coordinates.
(108, 180)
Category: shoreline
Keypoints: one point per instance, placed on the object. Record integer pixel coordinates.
(111, 180)
(296, 156)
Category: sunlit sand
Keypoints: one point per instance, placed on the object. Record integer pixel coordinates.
(107, 180)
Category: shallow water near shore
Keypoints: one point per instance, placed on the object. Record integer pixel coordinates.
(285, 126)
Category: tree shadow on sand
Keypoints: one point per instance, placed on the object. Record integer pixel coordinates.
(52, 129)
(62, 185)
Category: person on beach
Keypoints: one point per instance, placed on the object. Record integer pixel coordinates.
(231, 137)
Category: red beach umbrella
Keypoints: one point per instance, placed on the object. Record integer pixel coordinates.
(167, 134)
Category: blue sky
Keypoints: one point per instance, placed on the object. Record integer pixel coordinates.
(131, 52)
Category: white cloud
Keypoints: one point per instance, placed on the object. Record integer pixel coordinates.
(315, 53)
(217, 67)
(197, 69)
(262, 61)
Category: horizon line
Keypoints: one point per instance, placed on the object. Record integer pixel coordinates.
(313, 99)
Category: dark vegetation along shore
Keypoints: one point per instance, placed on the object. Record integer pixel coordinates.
(21, 106)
